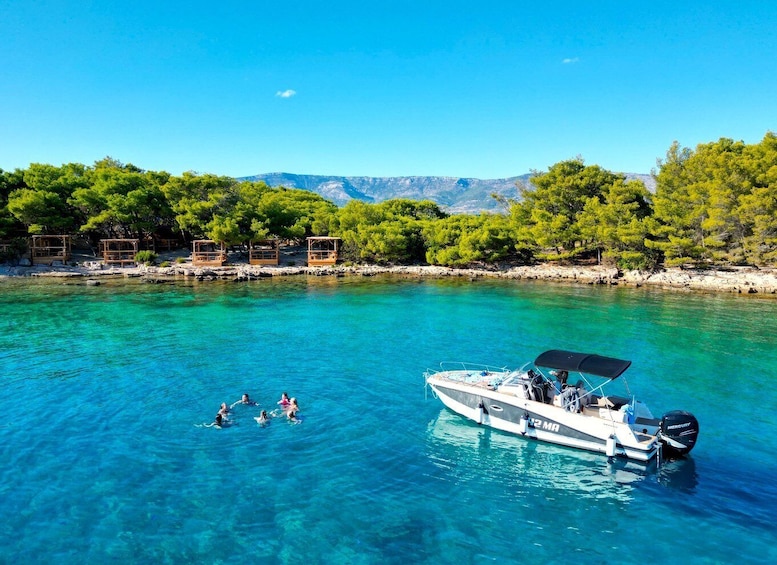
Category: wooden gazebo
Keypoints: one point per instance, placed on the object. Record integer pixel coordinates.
(208, 253)
(264, 252)
(119, 251)
(323, 251)
(46, 249)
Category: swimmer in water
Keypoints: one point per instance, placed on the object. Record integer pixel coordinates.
(292, 412)
(244, 400)
(263, 418)
(284, 401)
(218, 422)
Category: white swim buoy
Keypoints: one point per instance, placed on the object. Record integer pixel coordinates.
(523, 424)
(479, 416)
(609, 446)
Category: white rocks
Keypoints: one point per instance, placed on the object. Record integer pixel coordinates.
(745, 280)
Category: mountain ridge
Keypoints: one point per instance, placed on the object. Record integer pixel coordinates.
(452, 194)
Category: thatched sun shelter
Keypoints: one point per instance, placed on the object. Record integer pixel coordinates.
(208, 253)
(46, 249)
(323, 251)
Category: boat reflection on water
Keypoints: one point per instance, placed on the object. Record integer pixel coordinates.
(462, 450)
(679, 474)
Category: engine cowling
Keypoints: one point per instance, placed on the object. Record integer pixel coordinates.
(678, 432)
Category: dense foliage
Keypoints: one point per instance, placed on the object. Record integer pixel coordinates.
(716, 204)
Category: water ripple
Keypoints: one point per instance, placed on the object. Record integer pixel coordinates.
(104, 454)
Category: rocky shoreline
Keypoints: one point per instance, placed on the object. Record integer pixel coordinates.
(742, 280)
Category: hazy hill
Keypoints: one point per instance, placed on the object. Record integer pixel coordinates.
(450, 193)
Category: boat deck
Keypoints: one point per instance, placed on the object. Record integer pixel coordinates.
(480, 378)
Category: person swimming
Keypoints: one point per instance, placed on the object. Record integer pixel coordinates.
(292, 411)
(284, 401)
(262, 418)
(218, 422)
(244, 400)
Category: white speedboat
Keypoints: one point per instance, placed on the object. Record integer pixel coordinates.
(542, 401)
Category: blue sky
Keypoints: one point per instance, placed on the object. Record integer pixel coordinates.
(465, 89)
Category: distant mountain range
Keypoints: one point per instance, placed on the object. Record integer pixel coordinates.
(457, 195)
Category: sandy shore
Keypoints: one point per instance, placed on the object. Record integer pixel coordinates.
(744, 280)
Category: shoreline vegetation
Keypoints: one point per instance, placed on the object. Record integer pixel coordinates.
(710, 224)
(739, 280)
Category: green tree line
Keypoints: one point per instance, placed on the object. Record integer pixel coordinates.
(715, 204)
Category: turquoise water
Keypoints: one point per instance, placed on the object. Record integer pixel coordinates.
(103, 456)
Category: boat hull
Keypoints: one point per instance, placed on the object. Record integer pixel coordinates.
(543, 422)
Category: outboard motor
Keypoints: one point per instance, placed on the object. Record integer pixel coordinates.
(678, 432)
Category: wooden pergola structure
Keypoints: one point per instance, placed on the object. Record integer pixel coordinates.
(208, 253)
(119, 251)
(264, 252)
(323, 251)
(46, 249)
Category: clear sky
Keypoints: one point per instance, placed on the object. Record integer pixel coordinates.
(478, 89)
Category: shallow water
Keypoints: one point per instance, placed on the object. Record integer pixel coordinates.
(103, 457)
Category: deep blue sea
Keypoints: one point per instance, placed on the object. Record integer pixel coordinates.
(104, 457)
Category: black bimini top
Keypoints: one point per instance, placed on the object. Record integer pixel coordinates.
(583, 363)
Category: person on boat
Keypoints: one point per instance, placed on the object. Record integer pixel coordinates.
(284, 401)
(561, 381)
(263, 418)
(244, 400)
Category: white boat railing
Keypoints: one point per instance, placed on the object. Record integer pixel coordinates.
(450, 366)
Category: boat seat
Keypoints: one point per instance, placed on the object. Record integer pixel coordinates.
(533, 388)
(569, 399)
(647, 421)
(613, 402)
